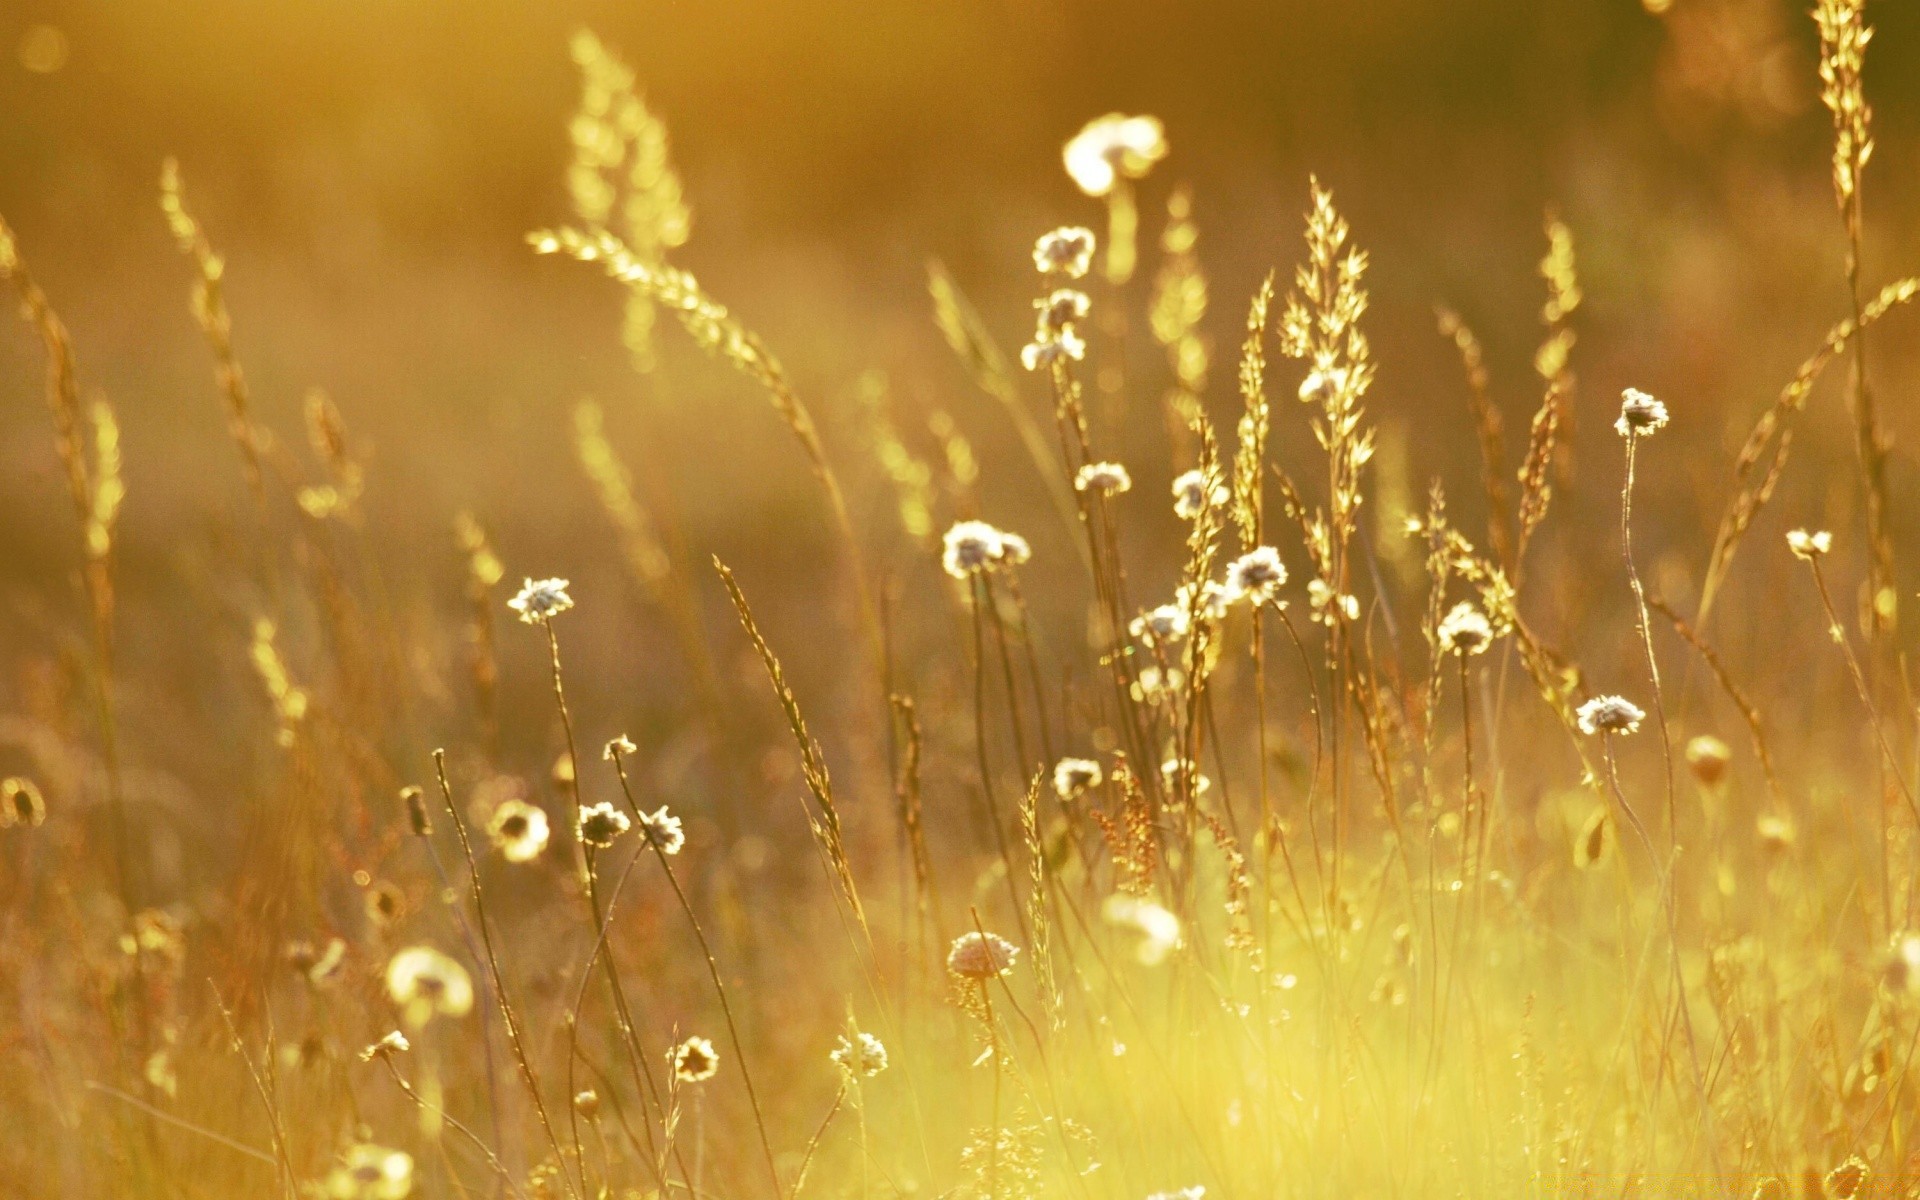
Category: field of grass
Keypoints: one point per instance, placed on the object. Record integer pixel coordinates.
(1135, 714)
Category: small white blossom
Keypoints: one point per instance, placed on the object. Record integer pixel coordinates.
(981, 956)
(1191, 496)
(1114, 147)
(1809, 545)
(541, 600)
(864, 1055)
(602, 824)
(1610, 714)
(1162, 625)
(663, 829)
(1067, 251)
(1465, 630)
(1256, 576)
(1639, 414)
(1073, 777)
(1052, 346)
(1107, 478)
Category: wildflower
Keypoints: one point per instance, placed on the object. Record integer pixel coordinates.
(1074, 777)
(981, 956)
(1161, 625)
(1192, 496)
(21, 803)
(1256, 576)
(1214, 599)
(1639, 414)
(618, 746)
(663, 830)
(1158, 928)
(519, 830)
(1809, 546)
(1326, 604)
(1051, 346)
(864, 1055)
(972, 546)
(1107, 478)
(1465, 630)
(1153, 682)
(541, 600)
(1707, 758)
(1114, 147)
(602, 824)
(1066, 251)
(371, 1173)
(1610, 714)
(426, 983)
(695, 1061)
(1060, 310)
(587, 1103)
(393, 1043)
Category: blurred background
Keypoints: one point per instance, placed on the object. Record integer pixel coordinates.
(369, 170)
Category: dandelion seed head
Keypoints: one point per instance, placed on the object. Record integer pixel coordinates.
(518, 830)
(695, 1061)
(1106, 478)
(1112, 148)
(602, 824)
(1075, 777)
(1610, 714)
(981, 956)
(1067, 251)
(541, 600)
(1640, 414)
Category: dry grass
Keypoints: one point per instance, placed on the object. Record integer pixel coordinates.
(1098, 886)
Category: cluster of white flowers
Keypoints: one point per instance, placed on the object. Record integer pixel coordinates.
(541, 600)
(1640, 414)
(1106, 478)
(1809, 545)
(981, 956)
(1256, 576)
(1610, 714)
(864, 1055)
(974, 546)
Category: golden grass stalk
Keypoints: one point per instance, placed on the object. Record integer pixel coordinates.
(1754, 484)
(1175, 316)
(1548, 442)
(1487, 425)
(209, 308)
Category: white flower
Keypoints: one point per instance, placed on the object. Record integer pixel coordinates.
(1639, 414)
(1114, 147)
(1074, 777)
(601, 824)
(1215, 599)
(618, 746)
(1066, 251)
(1256, 576)
(864, 1055)
(1107, 478)
(1162, 625)
(426, 983)
(1465, 630)
(1191, 496)
(981, 956)
(1013, 550)
(1326, 606)
(1062, 309)
(541, 600)
(518, 830)
(971, 546)
(663, 830)
(1050, 346)
(371, 1173)
(1610, 714)
(1809, 545)
(393, 1043)
(1323, 385)
(695, 1060)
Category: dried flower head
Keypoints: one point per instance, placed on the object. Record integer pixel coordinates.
(618, 746)
(1192, 496)
(1067, 251)
(602, 824)
(1256, 576)
(1050, 347)
(981, 956)
(1707, 758)
(1640, 414)
(21, 803)
(587, 1103)
(1161, 625)
(1610, 714)
(1112, 148)
(541, 600)
(864, 1055)
(370, 1172)
(426, 983)
(1061, 309)
(663, 829)
(393, 1043)
(518, 830)
(695, 1061)
(1465, 630)
(971, 546)
(1809, 545)
(1106, 478)
(1074, 777)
